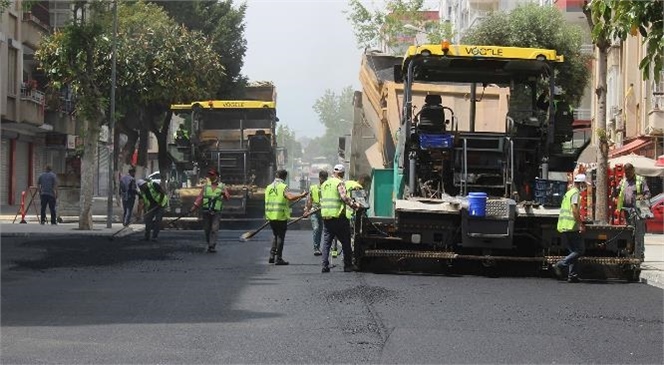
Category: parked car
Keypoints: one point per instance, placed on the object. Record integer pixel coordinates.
(656, 224)
(154, 177)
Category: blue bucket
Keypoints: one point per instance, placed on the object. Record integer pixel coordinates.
(477, 204)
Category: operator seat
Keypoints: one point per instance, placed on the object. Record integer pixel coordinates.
(259, 142)
(432, 115)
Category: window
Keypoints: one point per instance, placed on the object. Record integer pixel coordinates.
(11, 71)
(658, 91)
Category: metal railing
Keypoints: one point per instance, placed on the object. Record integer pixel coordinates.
(582, 114)
(31, 94)
(587, 49)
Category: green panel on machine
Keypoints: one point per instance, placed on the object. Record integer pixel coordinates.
(382, 181)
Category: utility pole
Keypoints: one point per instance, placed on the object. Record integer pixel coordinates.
(111, 123)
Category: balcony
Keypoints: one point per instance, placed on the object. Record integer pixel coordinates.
(32, 105)
(655, 122)
(32, 30)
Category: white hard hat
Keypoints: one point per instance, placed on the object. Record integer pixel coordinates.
(339, 168)
(140, 182)
(580, 178)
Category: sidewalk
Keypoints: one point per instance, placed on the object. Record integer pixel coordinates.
(652, 269)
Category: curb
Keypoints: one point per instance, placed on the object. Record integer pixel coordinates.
(653, 278)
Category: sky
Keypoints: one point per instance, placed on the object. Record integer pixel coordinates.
(304, 47)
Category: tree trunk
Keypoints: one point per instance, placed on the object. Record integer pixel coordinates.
(88, 169)
(143, 140)
(602, 188)
(164, 157)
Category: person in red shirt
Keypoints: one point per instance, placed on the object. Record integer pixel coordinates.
(210, 201)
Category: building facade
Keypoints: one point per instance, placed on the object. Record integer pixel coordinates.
(36, 128)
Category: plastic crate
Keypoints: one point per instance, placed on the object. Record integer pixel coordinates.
(432, 141)
(550, 193)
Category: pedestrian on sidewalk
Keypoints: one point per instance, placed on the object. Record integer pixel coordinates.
(571, 228)
(210, 201)
(277, 211)
(128, 192)
(313, 203)
(48, 194)
(154, 202)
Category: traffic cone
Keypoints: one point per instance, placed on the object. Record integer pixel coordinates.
(23, 208)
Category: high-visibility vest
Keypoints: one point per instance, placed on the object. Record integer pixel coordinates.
(276, 204)
(314, 192)
(623, 185)
(159, 198)
(566, 220)
(350, 186)
(330, 202)
(212, 200)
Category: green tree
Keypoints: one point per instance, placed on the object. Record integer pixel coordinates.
(78, 56)
(222, 22)
(335, 113)
(4, 4)
(536, 26)
(286, 138)
(616, 19)
(375, 27)
(159, 63)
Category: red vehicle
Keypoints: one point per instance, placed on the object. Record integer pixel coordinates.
(656, 224)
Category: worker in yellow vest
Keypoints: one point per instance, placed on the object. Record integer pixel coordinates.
(363, 182)
(571, 228)
(313, 203)
(210, 200)
(633, 188)
(335, 223)
(277, 211)
(153, 202)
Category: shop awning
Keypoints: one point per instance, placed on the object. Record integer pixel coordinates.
(631, 147)
(642, 165)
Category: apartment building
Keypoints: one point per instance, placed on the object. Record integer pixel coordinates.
(36, 128)
(635, 106)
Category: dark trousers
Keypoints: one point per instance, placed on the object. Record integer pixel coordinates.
(211, 227)
(153, 221)
(50, 201)
(279, 235)
(639, 225)
(127, 207)
(338, 228)
(574, 242)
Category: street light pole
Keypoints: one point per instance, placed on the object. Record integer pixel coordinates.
(111, 123)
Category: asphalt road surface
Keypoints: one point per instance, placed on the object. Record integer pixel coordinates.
(75, 300)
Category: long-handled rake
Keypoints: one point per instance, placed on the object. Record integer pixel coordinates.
(136, 219)
(248, 235)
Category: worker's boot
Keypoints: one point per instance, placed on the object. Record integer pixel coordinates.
(271, 259)
(280, 261)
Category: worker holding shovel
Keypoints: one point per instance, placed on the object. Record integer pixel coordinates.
(278, 212)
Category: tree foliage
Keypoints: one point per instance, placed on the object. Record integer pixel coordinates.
(536, 26)
(335, 113)
(286, 138)
(159, 63)
(375, 27)
(619, 19)
(223, 24)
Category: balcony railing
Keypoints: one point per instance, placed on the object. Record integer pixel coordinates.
(30, 93)
(582, 114)
(587, 49)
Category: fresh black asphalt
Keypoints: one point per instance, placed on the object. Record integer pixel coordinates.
(86, 300)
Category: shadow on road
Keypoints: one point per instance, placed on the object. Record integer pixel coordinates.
(92, 281)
